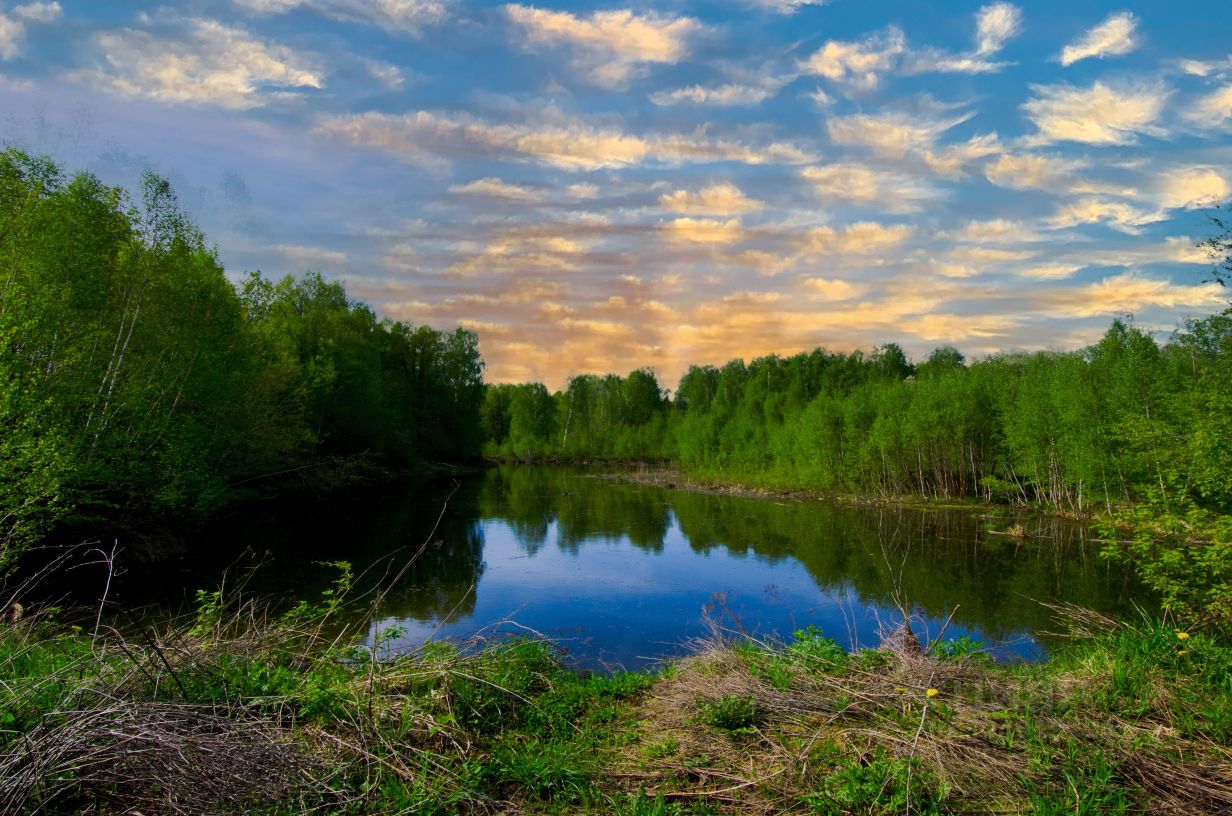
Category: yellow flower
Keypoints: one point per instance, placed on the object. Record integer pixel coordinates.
(932, 692)
(899, 689)
(1182, 635)
(1182, 653)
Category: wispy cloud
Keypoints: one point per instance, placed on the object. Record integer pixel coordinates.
(1114, 37)
(717, 199)
(855, 183)
(396, 16)
(199, 61)
(609, 47)
(570, 145)
(13, 25)
(1103, 114)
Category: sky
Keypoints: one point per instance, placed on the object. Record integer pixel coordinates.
(598, 188)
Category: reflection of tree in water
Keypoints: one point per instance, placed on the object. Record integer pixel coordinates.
(524, 498)
(440, 582)
(936, 558)
(529, 499)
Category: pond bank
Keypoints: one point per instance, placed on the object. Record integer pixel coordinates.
(276, 717)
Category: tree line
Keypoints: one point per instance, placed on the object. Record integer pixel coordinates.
(136, 380)
(1123, 421)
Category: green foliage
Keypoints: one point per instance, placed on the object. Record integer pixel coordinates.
(820, 653)
(136, 379)
(735, 713)
(959, 647)
(880, 786)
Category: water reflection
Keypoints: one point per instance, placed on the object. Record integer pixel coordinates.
(621, 573)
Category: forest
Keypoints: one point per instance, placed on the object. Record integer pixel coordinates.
(1120, 422)
(137, 381)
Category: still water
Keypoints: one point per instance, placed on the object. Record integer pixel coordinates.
(622, 575)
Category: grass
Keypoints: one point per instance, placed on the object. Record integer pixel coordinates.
(241, 711)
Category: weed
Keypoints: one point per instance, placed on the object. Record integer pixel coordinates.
(736, 713)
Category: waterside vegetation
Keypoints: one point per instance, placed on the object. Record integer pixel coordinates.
(238, 710)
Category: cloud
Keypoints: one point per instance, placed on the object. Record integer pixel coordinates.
(897, 135)
(1032, 171)
(38, 12)
(609, 47)
(1192, 187)
(787, 6)
(13, 28)
(1116, 214)
(1100, 115)
(861, 184)
(387, 74)
(1212, 110)
(994, 26)
(956, 328)
(1111, 38)
(717, 199)
(859, 64)
(860, 238)
(995, 231)
(395, 16)
(833, 289)
(1130, 292)
(1050, 271)
(569, 145)
(704, 231)
(309, 257)
(719, 95)
(208, 63)
(495, 188)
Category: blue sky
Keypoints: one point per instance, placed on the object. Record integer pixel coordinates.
(603, 187)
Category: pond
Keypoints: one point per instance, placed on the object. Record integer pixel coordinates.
(622, 575)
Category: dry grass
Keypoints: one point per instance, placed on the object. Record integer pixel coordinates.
(149, 758)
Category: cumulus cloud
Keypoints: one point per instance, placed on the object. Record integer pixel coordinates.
(704, 230)
(609, 47)
(860, 238)
(13, 25)
(207, 63)
(396, 16)
(1100, 115)
(717, 199)
(1113, 37)
(570, 145)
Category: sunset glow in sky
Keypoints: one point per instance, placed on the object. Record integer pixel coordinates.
(597, 188)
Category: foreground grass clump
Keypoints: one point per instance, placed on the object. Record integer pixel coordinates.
(240, 712)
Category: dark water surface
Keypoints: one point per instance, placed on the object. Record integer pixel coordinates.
(622, 575)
